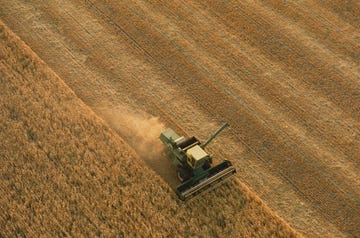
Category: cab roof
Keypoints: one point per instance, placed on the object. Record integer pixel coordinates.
(196, 152)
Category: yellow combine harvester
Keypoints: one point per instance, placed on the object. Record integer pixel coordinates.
(194, 165)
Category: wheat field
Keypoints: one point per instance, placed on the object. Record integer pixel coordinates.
(64, 172)
(283, 74)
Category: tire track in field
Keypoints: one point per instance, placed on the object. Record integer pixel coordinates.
(337, 35)
(348, 11)
(260, 32)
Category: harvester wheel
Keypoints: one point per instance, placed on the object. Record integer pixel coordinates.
(183, 174)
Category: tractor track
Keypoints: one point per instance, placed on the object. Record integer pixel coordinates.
(348, 13)
(328, 82)
(332, 194)
(306, 14)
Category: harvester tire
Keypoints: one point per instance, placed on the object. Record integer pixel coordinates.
(183, 174)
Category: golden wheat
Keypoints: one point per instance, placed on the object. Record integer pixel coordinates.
(65, 173)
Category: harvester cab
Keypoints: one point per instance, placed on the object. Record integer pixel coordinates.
(194, 164)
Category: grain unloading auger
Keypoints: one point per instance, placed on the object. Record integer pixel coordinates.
(194, 165)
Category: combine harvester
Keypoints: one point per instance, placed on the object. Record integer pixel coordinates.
(194, 165)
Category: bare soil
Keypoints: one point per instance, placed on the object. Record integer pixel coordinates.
(285, 75)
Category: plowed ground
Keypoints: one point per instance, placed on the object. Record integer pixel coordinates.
(284, 74)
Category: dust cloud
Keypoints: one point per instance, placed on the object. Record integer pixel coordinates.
(139, 129)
